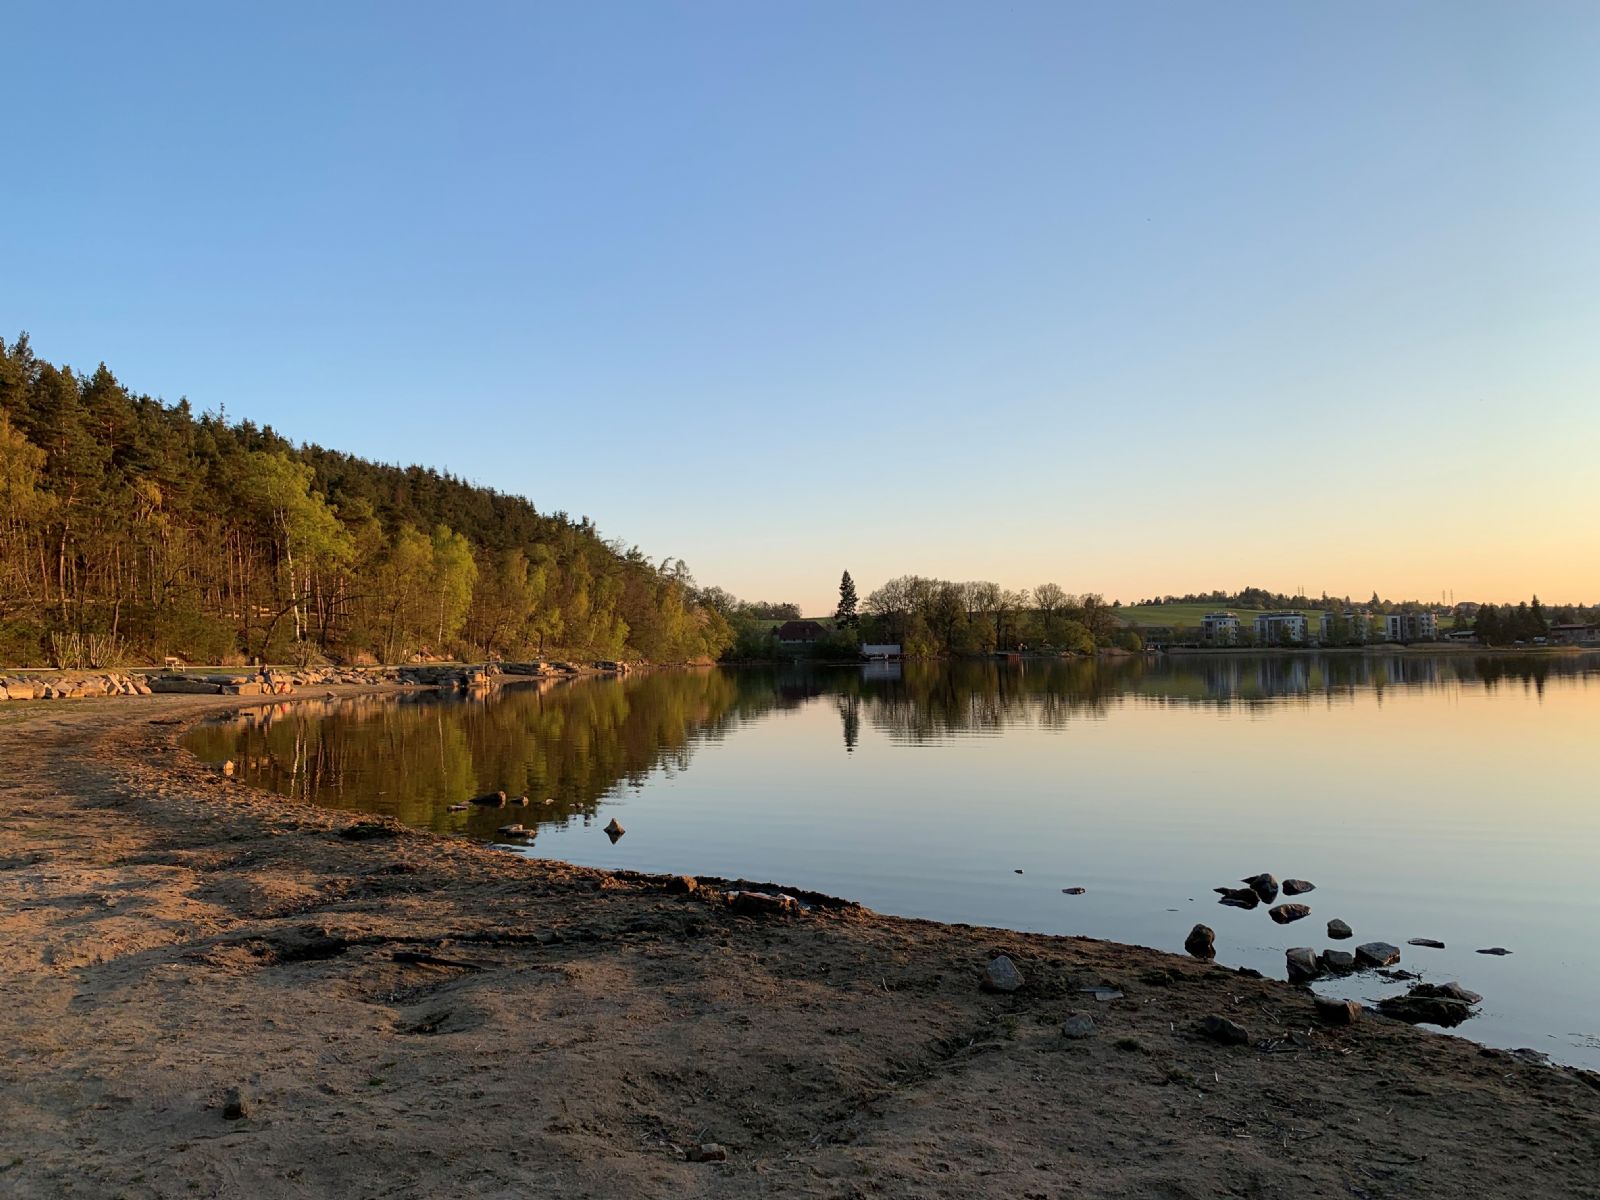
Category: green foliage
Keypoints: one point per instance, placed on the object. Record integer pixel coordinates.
(182, 534)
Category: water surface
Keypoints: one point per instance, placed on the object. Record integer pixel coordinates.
(1452, 798)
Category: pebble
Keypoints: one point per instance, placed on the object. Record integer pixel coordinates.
(1229, 1033)
(1339, 931)
(1284, 913)
(1001, 975)
(1078, 1026)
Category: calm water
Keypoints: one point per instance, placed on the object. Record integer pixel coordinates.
(1451, 798)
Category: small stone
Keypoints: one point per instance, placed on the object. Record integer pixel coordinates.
(1229, 1033)
(1428, 942)
(1237, 897)
(1201, 942)
(1339, 962)
(1073, 891)
(1302, 964)
(708, 1152)
(1499, 951)
(1377, 954)
(1077, 1027)
(614, 829)
(1337, 1012)
(1264, 886)
(1001, 975)
(1284, 913)
(234, 1105)
(1017, 871)
(1296, 887)
(1339, 931)
(1454, 991)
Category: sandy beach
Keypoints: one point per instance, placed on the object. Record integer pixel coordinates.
(206, 990)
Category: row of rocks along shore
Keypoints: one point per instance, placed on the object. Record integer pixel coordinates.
(283, 681)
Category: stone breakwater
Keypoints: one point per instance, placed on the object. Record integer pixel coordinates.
(281, 681)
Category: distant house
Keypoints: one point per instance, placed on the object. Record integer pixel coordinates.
(799, 633)
(1410, 627)
(880, 649)
(1219, 628)
(1281, 628)
(1357, 625)
(1577, 633)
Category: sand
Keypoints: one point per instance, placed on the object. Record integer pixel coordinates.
(403, 1014)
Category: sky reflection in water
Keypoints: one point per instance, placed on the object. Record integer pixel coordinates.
(1450, 798)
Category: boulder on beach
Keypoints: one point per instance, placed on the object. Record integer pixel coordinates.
(1220, 1029)
(1264, 886)
(1201, 942)
(1302, 964)
(1337, 1012)
(1001, 975)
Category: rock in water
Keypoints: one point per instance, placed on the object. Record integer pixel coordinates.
(514, 830)
(1445, 1004)
(1495, 950)
(1339, 931)
(1237, 897)
(1428, 942)
(1339, 962)
(1001, 975)
(1077, 1027)
(1377, 954)
(1337, 1012)
(1264, 886)
(1284, 913)
(1073, 891)
(614, 829)
(1201, 942)
(1296, 887)
(1302, 964)
(1229, 1033)
(491, 800)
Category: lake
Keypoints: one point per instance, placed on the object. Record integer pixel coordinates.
(1450, 797)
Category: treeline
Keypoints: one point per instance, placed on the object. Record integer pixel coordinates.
(940, 616)
(1261, 598)
(131, 530)
(1503, 624)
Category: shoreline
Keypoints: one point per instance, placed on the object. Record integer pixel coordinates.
(410, 1013)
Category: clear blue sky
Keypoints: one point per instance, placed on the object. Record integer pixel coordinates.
(1136, 298)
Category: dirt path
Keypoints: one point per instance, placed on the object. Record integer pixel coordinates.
(405, 1015)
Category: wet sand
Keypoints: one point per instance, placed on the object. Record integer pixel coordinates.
(404, 1014)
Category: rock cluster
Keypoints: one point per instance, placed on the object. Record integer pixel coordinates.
(71, 685)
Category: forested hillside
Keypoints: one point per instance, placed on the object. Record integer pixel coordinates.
(131, 529)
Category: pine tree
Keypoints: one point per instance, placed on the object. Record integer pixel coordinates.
(846, 614)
